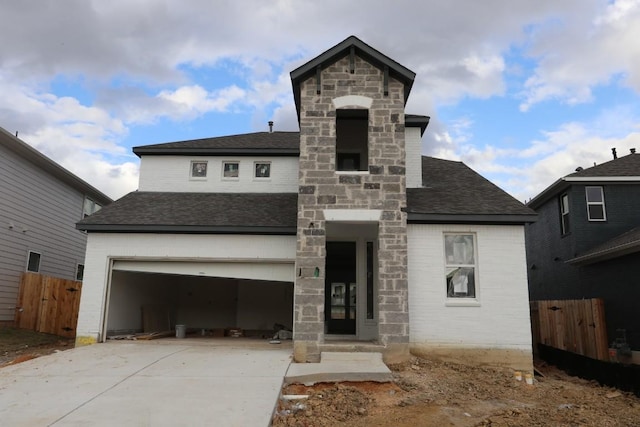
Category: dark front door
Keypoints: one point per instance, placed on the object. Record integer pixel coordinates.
(340, 288)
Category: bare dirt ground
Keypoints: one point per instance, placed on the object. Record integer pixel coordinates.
(429, 393)
(19, 345)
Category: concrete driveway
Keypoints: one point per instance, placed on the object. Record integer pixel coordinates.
(156, 383)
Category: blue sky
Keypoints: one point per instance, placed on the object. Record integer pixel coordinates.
(523, 92)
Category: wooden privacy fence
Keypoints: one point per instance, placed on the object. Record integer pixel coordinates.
(48, 304)
(573, 325)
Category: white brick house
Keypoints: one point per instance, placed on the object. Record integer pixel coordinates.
(341, 231)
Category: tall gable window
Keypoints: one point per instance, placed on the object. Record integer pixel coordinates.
(564, 214)
(595, 204)
(460, 265)
(352, 142)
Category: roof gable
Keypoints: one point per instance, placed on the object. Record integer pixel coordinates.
(342, 49)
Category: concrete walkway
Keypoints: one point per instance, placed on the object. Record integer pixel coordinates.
(156, 383)
(337, 367)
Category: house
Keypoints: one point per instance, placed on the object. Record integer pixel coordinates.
(586, 242)
(40, 203)
(341, 231)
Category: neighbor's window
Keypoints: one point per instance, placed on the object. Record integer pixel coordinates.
(89, 207)
(33, 262)
(595, 204)
(564, 214)
(262, 169)
(79, 272)
(230, 169)
(460, 265)
(198, 169)
(352, 144)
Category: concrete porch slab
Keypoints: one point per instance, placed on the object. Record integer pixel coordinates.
(339, 367)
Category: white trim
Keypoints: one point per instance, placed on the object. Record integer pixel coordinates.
(352, 215)
(352, 101)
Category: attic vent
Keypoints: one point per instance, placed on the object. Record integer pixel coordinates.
(633, 150)
(270, 126)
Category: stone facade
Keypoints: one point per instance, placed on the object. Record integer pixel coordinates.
(321, 188)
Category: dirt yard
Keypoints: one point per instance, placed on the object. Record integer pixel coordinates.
(18, 345)
(428, 393)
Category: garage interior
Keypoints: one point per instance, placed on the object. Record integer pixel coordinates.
(143, 301)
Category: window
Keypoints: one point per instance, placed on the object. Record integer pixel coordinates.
(352, 145)
(230, 169)
(89, 207)
(564, 214)
(198, 169)
(79, 272)
(460, 265)
(33, 262)
(262, 169)
(595, 204)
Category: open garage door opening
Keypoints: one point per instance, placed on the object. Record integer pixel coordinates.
(146, 302)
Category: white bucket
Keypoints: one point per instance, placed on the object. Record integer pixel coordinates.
(181, 331)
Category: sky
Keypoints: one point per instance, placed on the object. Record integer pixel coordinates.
(522, 91)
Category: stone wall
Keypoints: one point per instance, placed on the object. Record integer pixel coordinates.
(321, 188)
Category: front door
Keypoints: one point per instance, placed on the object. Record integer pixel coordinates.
(341, 287)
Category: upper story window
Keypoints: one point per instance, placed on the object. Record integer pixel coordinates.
(230, 170)
(460, 265)
(352, 140)
(89, 207)
(564, 214)
(595, 204)
(262, 169)
(198, 169)
(33, 262)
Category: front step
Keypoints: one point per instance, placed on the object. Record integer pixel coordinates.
(340, 367)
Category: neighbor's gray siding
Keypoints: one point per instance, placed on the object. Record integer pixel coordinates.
(43, 211)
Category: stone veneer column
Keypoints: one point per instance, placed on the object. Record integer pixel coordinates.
(320, 188)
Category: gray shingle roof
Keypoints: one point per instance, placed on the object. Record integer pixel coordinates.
(267, 143)
(623, 244)
(628, 165)
(453, 192)
(255, 213)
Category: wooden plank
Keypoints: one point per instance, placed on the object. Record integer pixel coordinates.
(29, 296)
(601, 339)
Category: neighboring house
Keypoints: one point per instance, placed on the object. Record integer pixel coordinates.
(341, 231)
(586, 242)
(40, 203)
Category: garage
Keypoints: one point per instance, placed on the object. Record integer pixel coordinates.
(154, 296)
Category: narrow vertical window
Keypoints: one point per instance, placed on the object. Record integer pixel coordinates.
(370, 281)
(595, 204)
(352, 140)
(564, 214)
(33, 262)
(460, 265)
(79, 272)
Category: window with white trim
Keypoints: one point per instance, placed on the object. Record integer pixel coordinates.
(198, 169)
(230, 170)
(595, 204)
(564, 214)
(460, 265)
(33, 262)
(262, 170)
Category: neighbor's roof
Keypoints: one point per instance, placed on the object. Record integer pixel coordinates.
(342, 49)
(622, 169)
(32, 155)
(211, 213)
(454, 193)
(625, 243)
